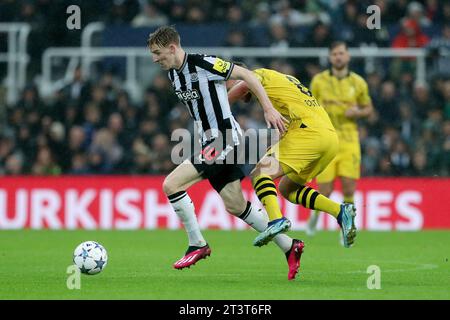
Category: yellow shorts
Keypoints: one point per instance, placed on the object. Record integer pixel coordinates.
(347, 164)
(305, 152)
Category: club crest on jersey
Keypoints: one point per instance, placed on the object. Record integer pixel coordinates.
(188, 95)
(194, 77)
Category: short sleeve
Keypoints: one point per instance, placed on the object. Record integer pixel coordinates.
(217, 68)
(363, 96)
(259, 74)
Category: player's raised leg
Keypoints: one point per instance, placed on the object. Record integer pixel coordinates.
(298, 193)
(175, 186)
(266, 170)
(256, 218)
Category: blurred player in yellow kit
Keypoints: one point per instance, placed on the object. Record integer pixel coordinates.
(345, 97)
(307, 147)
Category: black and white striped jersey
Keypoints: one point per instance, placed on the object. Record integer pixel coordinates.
(200, 85)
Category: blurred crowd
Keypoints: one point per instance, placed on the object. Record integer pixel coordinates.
(93, 126)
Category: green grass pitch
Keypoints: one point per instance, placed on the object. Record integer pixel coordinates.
(414, 265)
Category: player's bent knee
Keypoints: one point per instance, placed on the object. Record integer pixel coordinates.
(169, 186)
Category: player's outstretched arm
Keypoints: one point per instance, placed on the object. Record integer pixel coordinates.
(272, 116)
(239, 91)
(358, 112)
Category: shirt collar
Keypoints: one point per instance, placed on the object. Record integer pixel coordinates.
(183, 64)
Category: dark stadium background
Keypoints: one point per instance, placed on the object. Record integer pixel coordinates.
(408, 136)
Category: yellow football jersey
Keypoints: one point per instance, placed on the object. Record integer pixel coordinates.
(292, 99)
(336, 96)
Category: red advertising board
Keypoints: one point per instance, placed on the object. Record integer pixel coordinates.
(127, 202)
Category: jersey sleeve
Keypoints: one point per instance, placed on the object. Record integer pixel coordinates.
(259, 74)
(215, 67)
(363, 97)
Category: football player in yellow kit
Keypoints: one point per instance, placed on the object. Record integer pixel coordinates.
(308, 146)
(345, 97)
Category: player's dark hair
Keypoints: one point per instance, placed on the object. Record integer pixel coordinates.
(335, 44)
(164, 36)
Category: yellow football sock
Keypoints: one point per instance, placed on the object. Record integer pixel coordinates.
(349, 199)
(310, 198)
(267, 193)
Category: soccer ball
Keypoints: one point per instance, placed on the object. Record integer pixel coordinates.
(90, 257)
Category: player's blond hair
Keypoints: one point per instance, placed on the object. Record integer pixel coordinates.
(163, 37)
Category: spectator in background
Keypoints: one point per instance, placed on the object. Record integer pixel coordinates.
(261, 16)
(279, 36)
(319, 37)
(76, 144)
(349, 13)
(142, 160)
(235, 38)
(416, 13)
(409, 125)
(292, 18)
(405, 84)
(14, 164)
(410, 36)
(104, 153)
(421, 100)
(374, 83)
(387, 106)
(177, 12)
(78, 89)
(439, 52)
(79, 164)
(419, 165)
(149, 16)
(432, 9)
(116, 127)
(430, 142)
(384, 167)
(400, 158)
(122, 12)
(30, 99)
(161, 150)
(288, 16)
(45, 163)
(235, 17)
(7, 147)
(195, 15)
(445, 16)
(389, 138)
(93, 120)
(370, 152)
(162, 88)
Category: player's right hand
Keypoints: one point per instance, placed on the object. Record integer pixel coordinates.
(274, 119)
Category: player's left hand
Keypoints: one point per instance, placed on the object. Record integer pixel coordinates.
(274, 119)
(352, 112)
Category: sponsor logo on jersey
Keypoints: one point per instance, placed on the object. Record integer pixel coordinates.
(188, 95)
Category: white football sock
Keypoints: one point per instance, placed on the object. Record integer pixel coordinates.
(184, 208)
(258, 220)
